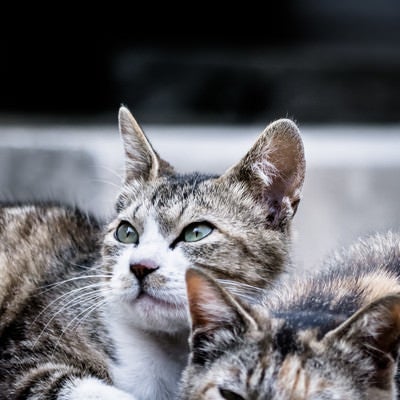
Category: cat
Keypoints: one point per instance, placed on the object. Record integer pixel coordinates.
(333, 335)
(93, 310)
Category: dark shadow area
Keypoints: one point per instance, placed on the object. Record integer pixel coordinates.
(313, 60)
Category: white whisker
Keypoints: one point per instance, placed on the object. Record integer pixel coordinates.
(242, 290)
(70, 303)
(103, 181)
(108, 169)
(85, 313)
(56, 284)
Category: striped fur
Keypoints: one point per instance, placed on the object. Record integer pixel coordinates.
(77, 321)
(335, 335)
(48, 285)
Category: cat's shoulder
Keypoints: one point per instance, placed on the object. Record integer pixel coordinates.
(367, 269)
(18, 219)
(45, 231)
(44, 242)
(368, 254)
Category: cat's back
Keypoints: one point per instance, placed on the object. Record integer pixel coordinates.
(348, 280)
(366, 271)
(41, 244)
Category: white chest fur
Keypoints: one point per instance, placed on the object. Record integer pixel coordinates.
(148, 365)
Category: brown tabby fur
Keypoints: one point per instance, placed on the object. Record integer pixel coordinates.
(335, 335)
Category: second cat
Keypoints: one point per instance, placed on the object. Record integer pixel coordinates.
(335, 335)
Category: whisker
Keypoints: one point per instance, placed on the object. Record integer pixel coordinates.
(237, 284)
(56, 284)
(69, 293)
(85, 313)
(108, 169)
(113, 184)
(244, 291)
(69, 303)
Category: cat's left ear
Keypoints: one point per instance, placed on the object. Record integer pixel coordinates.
(217, 318)
(372, 335)
(141, 161)
(274, 170)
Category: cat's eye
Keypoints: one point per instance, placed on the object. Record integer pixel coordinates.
(229, 395)
(126, 233)
(197, 231)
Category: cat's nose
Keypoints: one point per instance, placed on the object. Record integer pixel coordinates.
(142, 270)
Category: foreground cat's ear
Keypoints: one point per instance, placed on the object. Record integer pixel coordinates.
(216, 317)
(374, 333)
(274, 169)
(141, 161)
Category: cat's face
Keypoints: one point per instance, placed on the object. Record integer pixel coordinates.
(236, 226)
(240, 354)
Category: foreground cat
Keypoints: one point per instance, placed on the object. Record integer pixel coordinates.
(93, 313)
(333, 336)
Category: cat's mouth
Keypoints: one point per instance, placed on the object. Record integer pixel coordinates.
(152, 299)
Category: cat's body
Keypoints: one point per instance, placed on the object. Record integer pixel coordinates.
(335, 335)
(45, 251)
(93, 311)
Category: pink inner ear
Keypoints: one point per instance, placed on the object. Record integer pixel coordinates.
(208, 306)
(277, 163)
(388, 338)
(284, 170)
(205, 301)
(195, 283)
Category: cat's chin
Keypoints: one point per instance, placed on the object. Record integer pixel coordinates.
(152, 313)
(147, 300)
(148, 312)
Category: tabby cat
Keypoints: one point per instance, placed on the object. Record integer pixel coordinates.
(335, 335)
(89, 311)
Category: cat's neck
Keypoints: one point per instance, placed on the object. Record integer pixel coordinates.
(141, 355)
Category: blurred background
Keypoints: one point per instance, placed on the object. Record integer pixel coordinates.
(203, 85)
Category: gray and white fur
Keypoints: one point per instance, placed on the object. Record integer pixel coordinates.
(335, 335)
(99, 311)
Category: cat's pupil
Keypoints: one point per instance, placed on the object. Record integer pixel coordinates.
(229, 395)
(197, 231)
(126, 233)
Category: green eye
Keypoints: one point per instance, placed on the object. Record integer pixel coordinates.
(197, 231)
(126, 233)
(229, 395)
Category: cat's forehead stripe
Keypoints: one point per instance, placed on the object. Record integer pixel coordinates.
(293, 379)
(136, 209)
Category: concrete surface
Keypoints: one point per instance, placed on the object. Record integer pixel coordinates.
(352, 184)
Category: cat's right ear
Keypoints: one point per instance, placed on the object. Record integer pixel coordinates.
(217, 318)
(371, 336)
(274, 170)
(141, 161)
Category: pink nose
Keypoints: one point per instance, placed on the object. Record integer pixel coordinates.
(142, 270)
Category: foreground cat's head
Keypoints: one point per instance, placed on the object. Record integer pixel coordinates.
(236, 226)
(242, 353)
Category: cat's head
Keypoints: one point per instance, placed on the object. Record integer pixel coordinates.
(236, 226)
(241, 352)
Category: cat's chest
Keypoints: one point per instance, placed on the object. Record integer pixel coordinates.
(147, 367)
